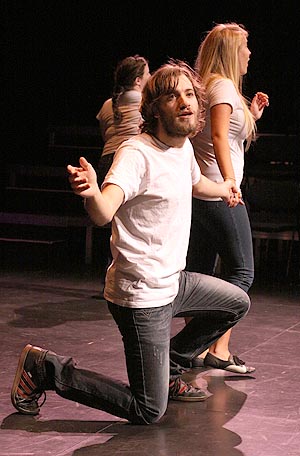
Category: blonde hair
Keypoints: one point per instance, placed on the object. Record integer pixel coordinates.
(218, 58)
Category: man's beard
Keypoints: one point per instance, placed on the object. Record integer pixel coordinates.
(174, 128)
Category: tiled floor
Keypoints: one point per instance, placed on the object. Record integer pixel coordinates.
(255, 415)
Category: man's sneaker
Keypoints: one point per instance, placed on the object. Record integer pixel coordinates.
(181, 391)
(30, 376)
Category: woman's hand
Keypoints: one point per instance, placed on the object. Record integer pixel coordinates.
(259, 102)
(233, 195)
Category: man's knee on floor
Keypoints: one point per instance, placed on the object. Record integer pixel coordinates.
(147, 415)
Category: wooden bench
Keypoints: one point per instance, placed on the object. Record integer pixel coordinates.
(61, 221)
(40, 196)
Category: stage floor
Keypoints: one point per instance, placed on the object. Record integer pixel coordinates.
(252, 415)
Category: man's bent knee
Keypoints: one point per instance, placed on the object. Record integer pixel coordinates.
(147, 416)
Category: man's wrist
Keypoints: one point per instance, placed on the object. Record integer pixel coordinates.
(226, 178)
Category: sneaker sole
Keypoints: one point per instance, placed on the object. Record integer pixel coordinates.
(189, 399)
(17, 381)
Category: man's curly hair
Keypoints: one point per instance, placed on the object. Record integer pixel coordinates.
(162, 82)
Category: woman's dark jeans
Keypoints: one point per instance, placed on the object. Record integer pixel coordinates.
(219, 229)
(153, 358)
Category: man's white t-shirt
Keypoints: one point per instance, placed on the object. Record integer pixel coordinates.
(222, 91)
(150, 231)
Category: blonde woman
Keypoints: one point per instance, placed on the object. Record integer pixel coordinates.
(218, 230)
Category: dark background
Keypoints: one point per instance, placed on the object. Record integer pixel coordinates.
(59, 56)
